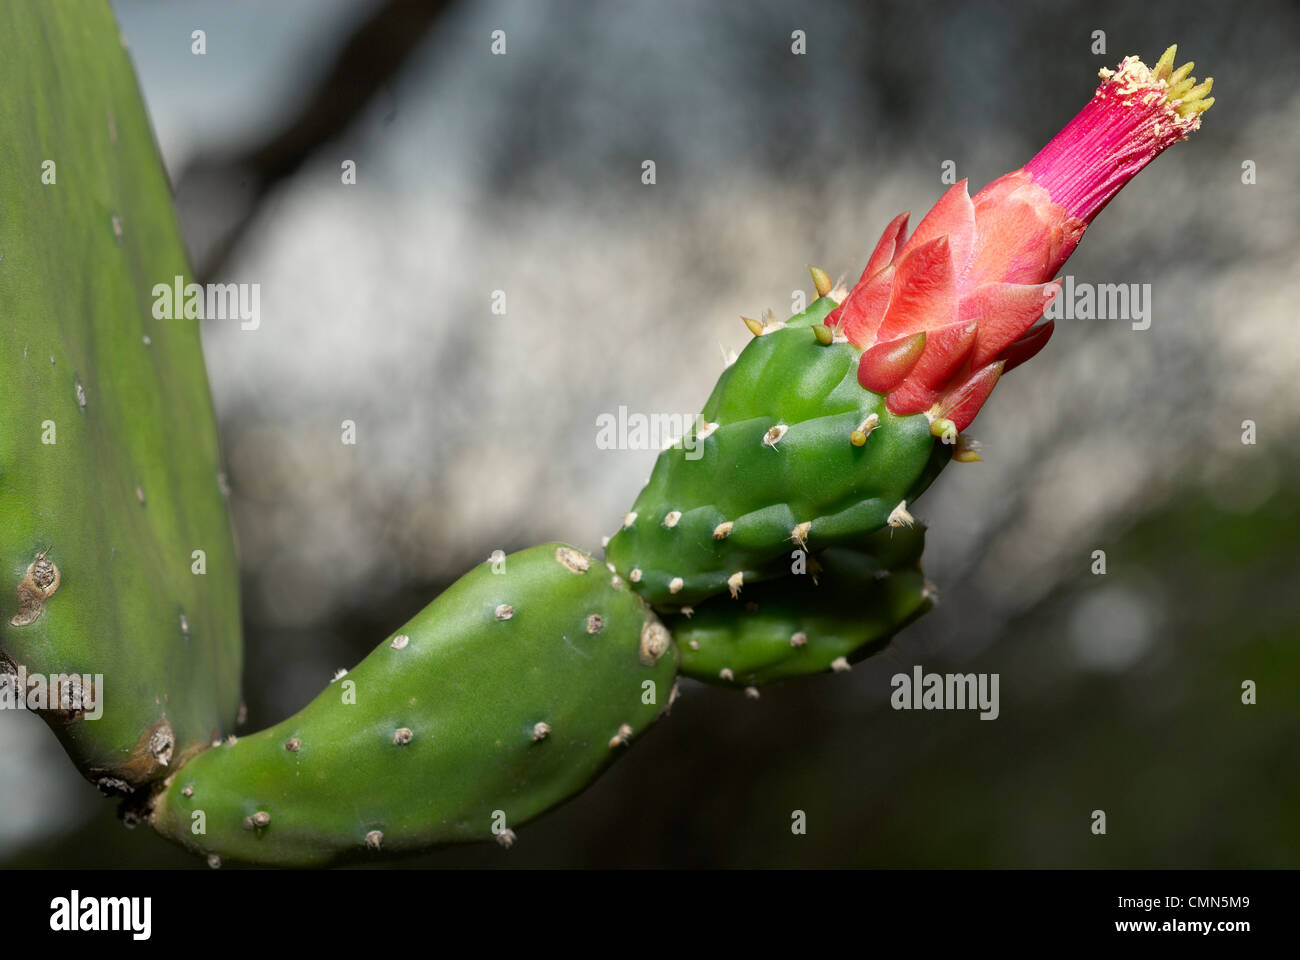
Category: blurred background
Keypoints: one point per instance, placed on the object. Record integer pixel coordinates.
(522, 173)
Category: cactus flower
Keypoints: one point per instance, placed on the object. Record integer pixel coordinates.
(942, 314)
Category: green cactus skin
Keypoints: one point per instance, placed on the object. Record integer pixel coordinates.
(778, 458)
(130, 486)
(512, 691)
(799, 625)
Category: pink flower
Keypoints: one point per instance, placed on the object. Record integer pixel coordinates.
(942, 314)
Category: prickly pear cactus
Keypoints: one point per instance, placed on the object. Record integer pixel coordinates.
(506, 695)
(792, 453)
(511, 691)
(847, 606)
(117, 566)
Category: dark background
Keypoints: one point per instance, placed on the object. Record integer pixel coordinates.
(477, 432)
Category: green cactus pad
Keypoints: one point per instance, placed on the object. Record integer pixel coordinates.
(801, 625)
(774, 469)
(506, 695)
(108, 445)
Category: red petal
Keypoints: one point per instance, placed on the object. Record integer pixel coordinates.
(1028, 345)
(954, 217)
(863, 308)
(1005, 311)
(964, 401)
(925, 292)
(886, 247)
(945, 351)
(883, 367)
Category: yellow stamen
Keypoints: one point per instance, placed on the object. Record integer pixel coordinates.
(1199, 91)
(1166, 62)
(1181, 88)
(1181, 72)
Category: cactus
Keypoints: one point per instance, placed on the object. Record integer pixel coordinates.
(109, 467)
(846, 608)
(513, 689)
(792, 454)
(503, 697)
(818, 438)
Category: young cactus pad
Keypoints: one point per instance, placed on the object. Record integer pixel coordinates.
(847, 607)
(117, 564)
(794, 455)
(506, 695)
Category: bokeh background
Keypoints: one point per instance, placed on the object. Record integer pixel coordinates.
(476, 432)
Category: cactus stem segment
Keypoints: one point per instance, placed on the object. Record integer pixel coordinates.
(824, 334)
